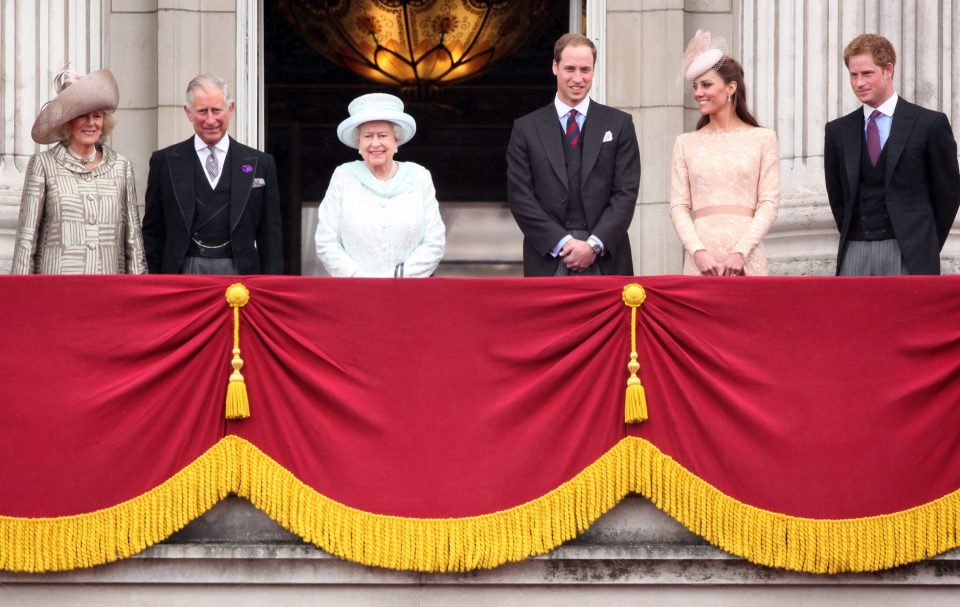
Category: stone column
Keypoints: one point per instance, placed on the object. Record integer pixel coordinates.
(194, 36)
(132, 57)
(792, 51)
(642, 40)
(37, 37)
(644, 43)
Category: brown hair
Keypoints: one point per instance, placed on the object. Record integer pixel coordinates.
(572, 39)
(729, 71)
(875, 45)
(63, 133)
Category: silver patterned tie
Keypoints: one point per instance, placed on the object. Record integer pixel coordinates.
(213, 167)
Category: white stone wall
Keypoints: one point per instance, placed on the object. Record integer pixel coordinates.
(153, 47)
(37, 37)
(791, 51)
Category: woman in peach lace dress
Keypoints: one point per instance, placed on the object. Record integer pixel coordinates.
(726, 174)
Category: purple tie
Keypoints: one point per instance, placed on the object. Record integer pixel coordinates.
(573, 129)
(873, 138)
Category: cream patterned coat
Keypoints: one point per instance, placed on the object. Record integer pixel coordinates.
(75, 220)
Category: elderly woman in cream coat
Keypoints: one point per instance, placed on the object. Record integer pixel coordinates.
(78, 214)
(379, 217)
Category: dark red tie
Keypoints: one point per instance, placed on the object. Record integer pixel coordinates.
(573, 129)
(873, 138)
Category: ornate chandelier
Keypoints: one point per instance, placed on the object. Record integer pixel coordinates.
(415, 45)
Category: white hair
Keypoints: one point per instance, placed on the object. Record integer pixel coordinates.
(206, 82)
(397, 133)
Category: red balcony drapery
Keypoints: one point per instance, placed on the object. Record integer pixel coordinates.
(451, 424)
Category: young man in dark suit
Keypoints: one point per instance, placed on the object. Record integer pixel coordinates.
(212, 204)
(573, 175)
(891, 170)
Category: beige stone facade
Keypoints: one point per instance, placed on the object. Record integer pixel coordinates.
(791, 50)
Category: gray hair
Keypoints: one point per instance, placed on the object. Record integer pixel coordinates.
(205, 82)
(397, 133)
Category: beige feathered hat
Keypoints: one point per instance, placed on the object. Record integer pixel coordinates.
(76, 96)
(702, 55)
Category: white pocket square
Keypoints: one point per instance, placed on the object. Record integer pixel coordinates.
(258, 182)
(608, 136)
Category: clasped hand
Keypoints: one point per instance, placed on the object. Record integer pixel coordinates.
(732, 265)
(577, 255)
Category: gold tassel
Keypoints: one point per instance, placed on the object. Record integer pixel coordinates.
(635, 409)
(238, 405)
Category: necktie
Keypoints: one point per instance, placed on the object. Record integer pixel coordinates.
(573, 129)
(873, 138)
(213, 167)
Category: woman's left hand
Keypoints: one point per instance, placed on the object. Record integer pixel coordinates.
(733, 265)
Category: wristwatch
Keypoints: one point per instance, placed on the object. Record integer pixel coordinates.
(595, 245)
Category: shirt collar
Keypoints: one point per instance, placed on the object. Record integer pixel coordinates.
(886, 108)
(223, 145)
(563, 109)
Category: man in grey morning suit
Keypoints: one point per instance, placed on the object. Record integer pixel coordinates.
(573, 174)
(891, 170)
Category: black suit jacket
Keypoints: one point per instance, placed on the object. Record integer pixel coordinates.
(537, 185)
(922, 180)
(255, 235)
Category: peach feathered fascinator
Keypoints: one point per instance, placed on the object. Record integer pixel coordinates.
(702, 55)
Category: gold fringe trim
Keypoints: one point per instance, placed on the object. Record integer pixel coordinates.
(114, 533)
(234, 465)
(789, 542)
(438, 545)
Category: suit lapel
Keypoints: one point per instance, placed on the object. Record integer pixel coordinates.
(903, 120)
(598, 120)
(853, 142)
(548, 125)
(180, 163)
(243, 167)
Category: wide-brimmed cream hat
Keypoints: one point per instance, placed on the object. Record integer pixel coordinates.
(76, 96)
(372, 107)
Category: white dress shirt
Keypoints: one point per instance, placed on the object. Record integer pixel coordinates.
(884, 120)
(203, 150)
(562, 110)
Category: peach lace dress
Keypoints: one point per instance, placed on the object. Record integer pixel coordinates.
(724, 195)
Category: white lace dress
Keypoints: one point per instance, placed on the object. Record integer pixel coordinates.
(724, 195)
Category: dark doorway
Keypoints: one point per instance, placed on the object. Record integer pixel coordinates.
(462, 130)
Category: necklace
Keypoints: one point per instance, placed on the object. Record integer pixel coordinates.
(393, 171)
(84, 160)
